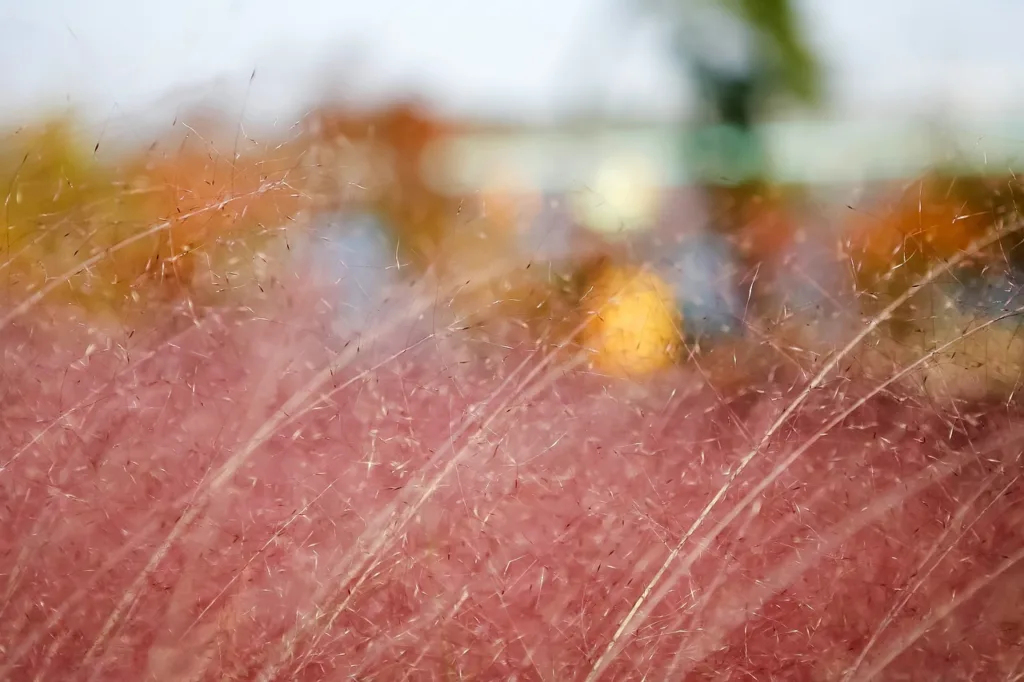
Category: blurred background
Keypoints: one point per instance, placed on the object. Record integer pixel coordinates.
(890, 70)
(740, 124)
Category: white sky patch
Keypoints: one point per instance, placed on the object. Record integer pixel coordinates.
(520, 58)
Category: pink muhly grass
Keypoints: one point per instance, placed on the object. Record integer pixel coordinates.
(256, 495)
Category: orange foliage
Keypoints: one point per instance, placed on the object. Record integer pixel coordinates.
(943, 327)
(211, 200)
(398, 139)
(758, 218)
(110, 237)
(769, 229)
(935, 218)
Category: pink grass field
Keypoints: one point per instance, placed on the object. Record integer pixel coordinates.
(256, 495)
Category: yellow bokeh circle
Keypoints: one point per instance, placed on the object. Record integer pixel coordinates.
(635, 325)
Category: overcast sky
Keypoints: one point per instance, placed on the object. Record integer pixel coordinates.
(514, 57)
